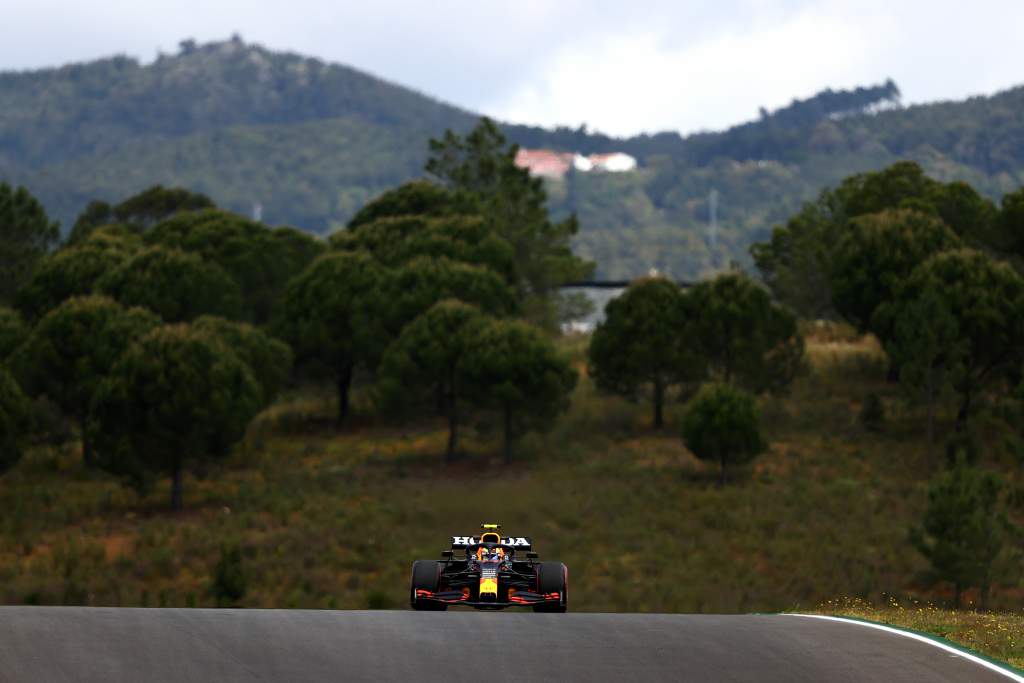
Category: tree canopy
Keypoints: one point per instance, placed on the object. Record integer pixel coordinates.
(66, 273)
(259, 259)
(74, 346)
(643, 341)
(14, 420)
(115, 236)
(968, 214)
(157, 203)
(175, 285)
(269, 359)
(796, 262)
(26, 235)
(482, 164)
(722, 425)
(413, 288)
(330, 317)
(986, 300)
(397, 240)
(13, 332)
(893, 187)
(1011, 222)
(830, 240)
(415, 198)
(178, 395)
(876, 254)
(515, 369)
(139, 211)
(95, 214)
(925, 346)
(964, 529)
(431, 353)
(742, 336)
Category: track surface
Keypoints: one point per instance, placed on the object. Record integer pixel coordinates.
(106, 644)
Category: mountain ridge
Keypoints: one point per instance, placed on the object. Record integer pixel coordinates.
(310, 142)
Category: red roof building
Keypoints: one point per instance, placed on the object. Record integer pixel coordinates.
(550, 164)
(544, 162)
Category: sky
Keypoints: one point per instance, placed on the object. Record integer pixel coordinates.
(619, 67)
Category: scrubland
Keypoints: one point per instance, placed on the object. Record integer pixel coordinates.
(328, 518)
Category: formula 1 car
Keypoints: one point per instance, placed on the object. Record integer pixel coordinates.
(490, 574)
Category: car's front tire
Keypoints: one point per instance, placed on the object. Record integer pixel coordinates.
(426, 575)
(553, 577)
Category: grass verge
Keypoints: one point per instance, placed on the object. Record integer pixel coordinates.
(997, 636)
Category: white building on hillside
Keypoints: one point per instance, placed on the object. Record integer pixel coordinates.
(544, 162)
(616, 162)
(551, 164)
(582, 163)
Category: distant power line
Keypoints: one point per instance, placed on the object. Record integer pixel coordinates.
(713, 218)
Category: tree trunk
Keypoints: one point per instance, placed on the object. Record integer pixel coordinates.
(931, 427)
(659, 400)
(957, 590)
(453, 427)
(983, 598)
(727, 364)
(176, 476)
(892, 374)
(931, 415)
(344, 384)
(508, 435)
(87, 456)
(964, 413)
(721, 471)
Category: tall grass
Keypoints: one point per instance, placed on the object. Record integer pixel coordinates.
(325, 518)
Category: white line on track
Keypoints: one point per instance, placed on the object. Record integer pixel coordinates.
(924, 639)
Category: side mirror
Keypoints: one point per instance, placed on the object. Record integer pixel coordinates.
(532, 556)
(447, 554)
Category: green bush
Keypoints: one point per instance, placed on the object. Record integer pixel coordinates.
(872, 413)
(721, 424)
(230, 582)
(378, 599)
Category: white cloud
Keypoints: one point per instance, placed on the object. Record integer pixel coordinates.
(645, 81)
(620, 66)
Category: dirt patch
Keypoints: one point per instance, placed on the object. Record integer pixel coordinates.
(117, 545)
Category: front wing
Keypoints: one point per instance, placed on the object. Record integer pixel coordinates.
(462, 597)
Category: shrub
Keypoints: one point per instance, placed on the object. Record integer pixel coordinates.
(872, 413)
(722, 424)
(230, 582)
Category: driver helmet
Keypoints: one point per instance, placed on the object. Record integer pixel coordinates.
(485, 553)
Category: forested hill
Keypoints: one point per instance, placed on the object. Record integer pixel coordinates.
(56, 114)
(310, 142)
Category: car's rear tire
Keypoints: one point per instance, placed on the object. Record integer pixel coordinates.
(553, 577)
(426, 575)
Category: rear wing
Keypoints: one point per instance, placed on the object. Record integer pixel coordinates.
(517, 542)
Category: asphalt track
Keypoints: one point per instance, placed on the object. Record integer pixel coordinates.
(107, 644)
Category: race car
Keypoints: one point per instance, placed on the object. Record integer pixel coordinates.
(489, 573)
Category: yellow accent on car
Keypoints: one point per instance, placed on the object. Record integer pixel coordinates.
(489, 587)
